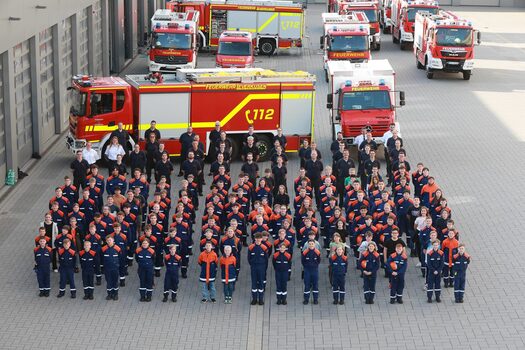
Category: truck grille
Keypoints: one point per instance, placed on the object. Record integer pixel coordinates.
(171, 59)
(459, 54)
(453, 66)
(377, 130)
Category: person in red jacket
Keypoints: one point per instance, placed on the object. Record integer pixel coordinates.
(228, 273)
(450, 248)
(208, 261)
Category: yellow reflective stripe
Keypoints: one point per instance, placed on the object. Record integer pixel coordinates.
(108, 88)
(268, 21)
(296, 96)
(107, 128)
(224, 121)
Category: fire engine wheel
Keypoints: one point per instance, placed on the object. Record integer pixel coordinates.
(377, 47)
(267, 47)
(264, 145)
(394, 39)
(466, 75)
(418, 64)
(401, 45)
(430, 73)
(386, 30)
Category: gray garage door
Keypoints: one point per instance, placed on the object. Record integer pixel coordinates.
(2, 122)
(83, 58)
(24, 125)
(97, 38)
(66, 71)
(47, 92)
(476, 2)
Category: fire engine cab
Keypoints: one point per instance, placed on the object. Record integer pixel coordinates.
(445, 42)
(235, 50)
(345, 38)
(371, 10)
(236, 98)
(403, 17)
(173, 42)
(362, 95)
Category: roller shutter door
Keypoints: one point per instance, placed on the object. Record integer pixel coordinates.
(97, 38)
(22, 86)
(47, 94)
(2, 122)
(66, 70)
(83, 38)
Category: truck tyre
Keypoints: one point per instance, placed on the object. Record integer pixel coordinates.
(326, 75)
(466, 74)
(264, 145)
(386, 30)
(377, 47)
(418, 64)
(430, 73)
(235, 147)
(394, 39)
(401, 45)
(267, 47)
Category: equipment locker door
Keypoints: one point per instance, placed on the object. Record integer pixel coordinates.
(170, 110)
(296, 112)
(268, 23)
(290, 25)
(242, 20)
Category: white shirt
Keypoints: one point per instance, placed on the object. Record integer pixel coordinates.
(91, 156)
(388, 135)
(359, 139)
(113, 151)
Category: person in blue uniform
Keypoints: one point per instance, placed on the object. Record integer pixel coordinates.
(67, 258)
(88, 262)
(145, 256)
(369, 263)
(339, 264)
(311, 258)
(43, 255)
(173, 263)
(396, 265)
(459, 269)
(282, 262)
(111, 262)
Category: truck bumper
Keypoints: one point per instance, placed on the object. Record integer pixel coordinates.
(166, 68)
(73, 144)
(453, 66)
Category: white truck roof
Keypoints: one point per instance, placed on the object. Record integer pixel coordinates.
(372, 71)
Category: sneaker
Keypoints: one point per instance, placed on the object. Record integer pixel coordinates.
(400, 300)
(341, 302)
(335, 302)
(213, 301)
(279, 302)
(438, 299)
(226, 300)
(203, 301)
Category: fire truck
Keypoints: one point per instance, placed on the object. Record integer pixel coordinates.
(444, 42)
(173, 42)
(360, 95)
(345, 38)
(274, 24)
(236, 98)
(235, 50)
(371, 10)
(385, 13)
(403, 17)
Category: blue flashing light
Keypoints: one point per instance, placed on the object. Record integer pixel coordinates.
(381, 82)
(348, 83)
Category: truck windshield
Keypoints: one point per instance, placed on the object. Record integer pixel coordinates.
(172, 41)
(345, 43)
(454, 37)
(361, 100)
(234, 48)
(78, 106)
(411, 13)
(371, 15)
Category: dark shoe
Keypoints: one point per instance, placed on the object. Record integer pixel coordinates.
(461, 301)
(61, 294)
(305, 302)
(122, 283)
(367, 301)
(285, 302)
(335, 302)
(174, 298)
(438, 299)
(371, 301)
(316, 302)
(341, 302)
(279, 302)
(184, 275)
(148, 298)
(429, 300)
(157, 273)
(130, 263)
(115, 297)
(261, 302)
(254, 302)
(142, 299)
(73, 295)
(458, 301)
(99, 281)
(76, 270)
(109, 297)
(204, 301)
(400, 300)
(392, 301)
(42, 293)
(91, 297)
(86, 297)
(46, 293)
(213, 301)
(165, 299)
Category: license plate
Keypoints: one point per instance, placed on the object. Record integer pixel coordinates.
(452, 62)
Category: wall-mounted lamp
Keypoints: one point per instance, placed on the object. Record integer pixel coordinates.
(14, 18)
(40, 7)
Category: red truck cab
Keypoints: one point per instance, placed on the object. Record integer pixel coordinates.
(235, 50)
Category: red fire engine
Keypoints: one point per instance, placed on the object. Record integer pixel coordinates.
(274, 24)
(362, 94)
(385, 15)
(235, 50)
(194, 97)
(403, 17)
(345, 38)
(173, 42)
(371, 10)
(445, 42)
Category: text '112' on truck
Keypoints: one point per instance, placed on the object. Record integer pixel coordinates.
(445, 42)
(274, 24)
(236, 98)
(362, 95)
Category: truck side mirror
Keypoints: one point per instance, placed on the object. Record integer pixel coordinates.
(329, 101)
(321, 42)
(478, 37)
(401, 98)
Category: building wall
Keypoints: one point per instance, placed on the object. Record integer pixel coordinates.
(43, 44)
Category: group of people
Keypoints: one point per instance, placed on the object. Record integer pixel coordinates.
(104, 225)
